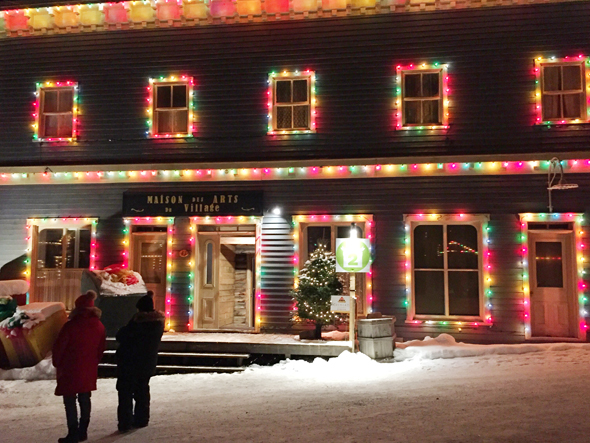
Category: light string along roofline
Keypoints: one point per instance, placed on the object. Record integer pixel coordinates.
(10, 177)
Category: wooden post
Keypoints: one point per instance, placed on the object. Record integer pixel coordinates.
(352, 318)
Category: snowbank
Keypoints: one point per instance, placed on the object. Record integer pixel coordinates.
(44, 370)
(445, 346)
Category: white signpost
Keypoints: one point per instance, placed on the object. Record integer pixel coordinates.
(352, 255)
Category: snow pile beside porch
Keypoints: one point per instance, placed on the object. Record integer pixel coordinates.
(445, 346)
(44, 370)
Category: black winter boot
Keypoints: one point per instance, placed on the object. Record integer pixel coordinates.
(72, 437)
(83, 430)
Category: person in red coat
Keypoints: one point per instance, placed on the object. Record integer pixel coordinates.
(76, 354)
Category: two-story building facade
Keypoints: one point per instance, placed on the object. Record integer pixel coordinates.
(212, 145)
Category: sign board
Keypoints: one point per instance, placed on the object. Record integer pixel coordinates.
(353, 255)
(190, 204)
(340, 303)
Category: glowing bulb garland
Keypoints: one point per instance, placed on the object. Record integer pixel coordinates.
(582, 300)
(63, 175)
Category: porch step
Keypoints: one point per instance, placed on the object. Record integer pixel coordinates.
(174, 362)
(165, 369)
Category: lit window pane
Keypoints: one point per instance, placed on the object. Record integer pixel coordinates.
(319, 235)
(283, 89)
(552, 78)
(429, 292)
(165, 122)
(66, 100)
(163, 96)
(50, 99)
(284, 117)
(572, 78)
(301, 117)
(462, 247)
(428, 247)
(572, 105)
(551, 107)
(413, 113)
(50, 254)
(65, 127)
(430, 112)
(463, 293)
(51, 124)
(299, 91)
(209, 264)
(179, 96)
(430, 85)
(548, 262)
(412, 85)
(180, 121)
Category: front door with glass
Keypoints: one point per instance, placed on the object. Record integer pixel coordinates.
(551, 284)
(148, 257)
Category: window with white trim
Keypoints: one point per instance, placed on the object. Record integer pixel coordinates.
(446, 267)
(563, 96)
(422, 97)
(171, 108)
(56, 113)
(291, 103)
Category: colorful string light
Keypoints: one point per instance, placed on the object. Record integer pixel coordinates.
(582, 299)
(59, 175)
(486, 316)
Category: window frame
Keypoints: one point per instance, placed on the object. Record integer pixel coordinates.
(540, 64)
(479, 221)
(443, 96)
(39, 114)
(153, 111)
(311, 101)
(365, 222)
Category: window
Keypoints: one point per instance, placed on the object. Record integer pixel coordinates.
(56, 119)
(171, 108)
(293, 103)
(446, 267)
(422, 97)
(312, 234)
(561, 97)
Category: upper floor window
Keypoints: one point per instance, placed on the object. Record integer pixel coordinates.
(446, 272)
(422, 97)
(171, 107)
(561, 91)
(56, 114)
(292, 102)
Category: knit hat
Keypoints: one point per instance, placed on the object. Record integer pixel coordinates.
(86, 300)
(146, 303)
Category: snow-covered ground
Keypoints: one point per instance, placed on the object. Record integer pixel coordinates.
(436, 391)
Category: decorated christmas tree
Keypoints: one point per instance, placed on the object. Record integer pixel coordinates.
(318, 281)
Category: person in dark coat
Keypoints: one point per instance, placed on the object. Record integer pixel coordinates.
(137, 357)
(76, 353)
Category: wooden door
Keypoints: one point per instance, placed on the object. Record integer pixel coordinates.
(148, 257)
(552, 284)
(208, 280)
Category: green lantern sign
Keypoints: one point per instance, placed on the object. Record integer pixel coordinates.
(353, 255)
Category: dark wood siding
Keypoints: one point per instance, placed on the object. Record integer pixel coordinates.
(386, 199)
(490, 52)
